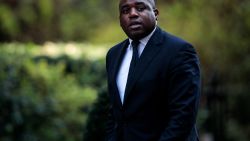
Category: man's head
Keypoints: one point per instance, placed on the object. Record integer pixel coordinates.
(138, 17)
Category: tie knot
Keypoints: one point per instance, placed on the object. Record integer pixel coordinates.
(135, 43)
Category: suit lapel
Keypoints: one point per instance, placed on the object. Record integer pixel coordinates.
(149, 52)
(120, 55)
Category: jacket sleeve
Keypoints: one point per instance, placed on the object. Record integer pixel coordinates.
(109, 125)
(183, 96)
(110, 119)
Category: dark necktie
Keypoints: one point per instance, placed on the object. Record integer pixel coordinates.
(134, 59)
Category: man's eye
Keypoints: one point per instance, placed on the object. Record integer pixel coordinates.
(125, 11)
(140, 9)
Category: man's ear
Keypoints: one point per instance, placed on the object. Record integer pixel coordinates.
(156, 11)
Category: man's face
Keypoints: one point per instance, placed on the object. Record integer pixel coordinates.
(137, 17)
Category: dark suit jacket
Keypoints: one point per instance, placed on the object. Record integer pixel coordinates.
(161, 102)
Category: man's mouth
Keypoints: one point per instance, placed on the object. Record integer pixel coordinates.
(135, 25)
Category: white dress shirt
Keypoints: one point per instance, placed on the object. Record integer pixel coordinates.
(122, 76)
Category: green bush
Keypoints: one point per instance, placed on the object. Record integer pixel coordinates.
(44, 97)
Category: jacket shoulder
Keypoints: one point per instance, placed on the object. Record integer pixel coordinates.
(116, 47)
(174, 40)
(175, 44)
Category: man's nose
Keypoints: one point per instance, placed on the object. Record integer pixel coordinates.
(133, 13)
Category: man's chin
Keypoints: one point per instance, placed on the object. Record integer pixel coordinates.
(136, 34)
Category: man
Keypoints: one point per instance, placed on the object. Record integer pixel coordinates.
(153, 80)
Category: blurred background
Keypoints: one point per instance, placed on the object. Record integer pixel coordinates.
(52, 65)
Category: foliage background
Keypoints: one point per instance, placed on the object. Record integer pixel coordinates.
(52, 65)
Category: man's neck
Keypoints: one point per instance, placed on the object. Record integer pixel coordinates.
(145, 39)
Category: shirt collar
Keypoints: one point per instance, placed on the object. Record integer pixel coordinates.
(144, 40)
